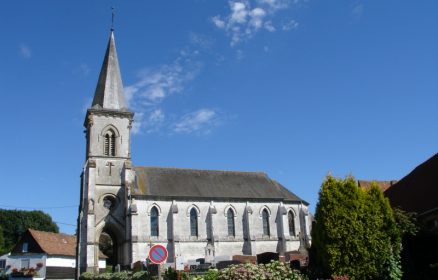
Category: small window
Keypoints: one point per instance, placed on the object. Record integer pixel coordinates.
(154, 221)
(265, 218)
(2, 264)
(291, 220)
(193, 222)
(25, 247)
(230, 223)
(109, 148)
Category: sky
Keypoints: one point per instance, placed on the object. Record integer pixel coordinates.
(295, 88)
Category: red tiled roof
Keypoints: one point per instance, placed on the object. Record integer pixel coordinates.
(56, 243)
(383, 185)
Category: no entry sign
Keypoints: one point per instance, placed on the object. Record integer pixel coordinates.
(158, 254)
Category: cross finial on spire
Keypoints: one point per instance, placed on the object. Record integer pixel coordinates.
(112, 18)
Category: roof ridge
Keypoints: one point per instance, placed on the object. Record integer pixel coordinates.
(205, 170)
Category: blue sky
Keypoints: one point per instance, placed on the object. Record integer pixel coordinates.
(296, 89)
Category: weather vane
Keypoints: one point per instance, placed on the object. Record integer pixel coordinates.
(112, 18)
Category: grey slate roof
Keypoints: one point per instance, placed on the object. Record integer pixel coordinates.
(109, 90)
(176, 183)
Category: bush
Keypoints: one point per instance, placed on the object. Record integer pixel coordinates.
(103, 276)
(170, 274)
(86, 276)
(277, 270)
(124, 275)
(212, 274)
(141, 275)
(274, 270)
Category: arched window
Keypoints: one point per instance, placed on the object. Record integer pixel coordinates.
(291, 220)
(193, 222)
(154, 221)
(265, 218)
(110, 143)
(230, 223)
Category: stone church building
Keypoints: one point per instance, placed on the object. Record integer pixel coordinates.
(195, 214)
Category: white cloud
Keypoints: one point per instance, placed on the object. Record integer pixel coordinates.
(24, 51)
(290, 25)
(257, 16)
(247, 17)
(239, 12)
(275, 5)
(154, 121)
(269, 26)
(200, 121)
(154, 86)
(218, 22)
(136, 125)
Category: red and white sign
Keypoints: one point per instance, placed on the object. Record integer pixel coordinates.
(158, 254)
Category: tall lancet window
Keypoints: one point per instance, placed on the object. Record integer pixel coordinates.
(291, 220)
(230, 223)
(110, 143)
(265, 218)
(154, 221)
(193, 222)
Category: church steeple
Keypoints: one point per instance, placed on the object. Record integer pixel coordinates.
(109, 90)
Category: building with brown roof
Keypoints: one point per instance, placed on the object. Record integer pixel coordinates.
(46, 255)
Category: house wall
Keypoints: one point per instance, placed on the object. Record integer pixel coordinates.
(15, 261)
(54, 267)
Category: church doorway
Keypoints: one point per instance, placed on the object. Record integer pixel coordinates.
(108, 245)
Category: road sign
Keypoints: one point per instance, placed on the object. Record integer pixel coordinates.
(158, 254)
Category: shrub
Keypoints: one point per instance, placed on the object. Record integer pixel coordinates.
(103, 276)
(277, 270)
(274, 270)
(141, 275)
(170, 274)
(212, 274)
(124, 275)
(86, 276)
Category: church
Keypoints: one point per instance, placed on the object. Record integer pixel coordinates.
(196, 214)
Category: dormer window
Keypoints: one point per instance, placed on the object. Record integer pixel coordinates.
(25, 247)
(110, 144)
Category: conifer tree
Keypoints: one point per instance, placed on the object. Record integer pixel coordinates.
(355, 233)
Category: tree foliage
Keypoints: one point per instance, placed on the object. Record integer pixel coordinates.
(355, 232)
(2, 240)
(15, 222)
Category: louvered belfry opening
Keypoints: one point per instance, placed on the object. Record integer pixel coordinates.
(110, 144)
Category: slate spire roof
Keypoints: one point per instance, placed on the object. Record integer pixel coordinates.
(109, 90)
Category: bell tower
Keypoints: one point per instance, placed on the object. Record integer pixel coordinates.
(107, 174)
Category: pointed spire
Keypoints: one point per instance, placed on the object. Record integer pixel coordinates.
(109, 91)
